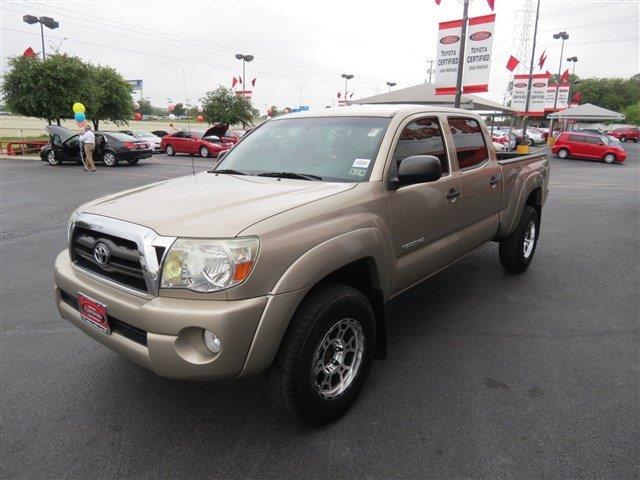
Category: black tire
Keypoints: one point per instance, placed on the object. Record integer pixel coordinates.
(109, 158)
(513, 256)
(291, 384)
(530, 142)
(204, 152)
(170, 150)
(52, 160)
(609, 158)
(623, 139)
(563, 153)
(133, 162)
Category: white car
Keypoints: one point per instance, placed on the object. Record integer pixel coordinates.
(149, 137)
(535, 135)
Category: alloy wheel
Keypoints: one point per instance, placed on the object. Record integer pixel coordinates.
(529, 239)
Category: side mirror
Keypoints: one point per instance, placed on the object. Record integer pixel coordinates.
(417, 169)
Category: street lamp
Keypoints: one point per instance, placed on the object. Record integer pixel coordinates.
(346, 77)
(573, 60)
(564, 36)
(46, 21)
(391, 84)
(300, 87)
(245, 59)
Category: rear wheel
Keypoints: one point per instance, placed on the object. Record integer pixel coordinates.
(204, 152)
(170, 151)
(325, 357)
(530, 142)
(563, 153)
(109, 159)
(516, 250)
(52, 160)
(133, 162)
(609, 158)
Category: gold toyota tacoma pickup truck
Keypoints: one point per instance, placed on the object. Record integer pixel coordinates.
(279, 261)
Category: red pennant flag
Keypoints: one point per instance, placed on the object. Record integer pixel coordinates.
(234, 82)
(438, 2)
(542, 59)
(512, 63)
(565, 76)
(548, 73)
(253, 82)
(29, 53)
(491, 4)
(577, 98)
(339, 95)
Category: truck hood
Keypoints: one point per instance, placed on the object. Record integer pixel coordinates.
(210, 205)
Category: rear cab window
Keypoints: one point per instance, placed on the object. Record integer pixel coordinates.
(420, 137)
(468, 141)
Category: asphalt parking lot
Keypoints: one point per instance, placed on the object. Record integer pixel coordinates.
(489, 375)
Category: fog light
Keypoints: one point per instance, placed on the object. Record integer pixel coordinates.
(211, 341)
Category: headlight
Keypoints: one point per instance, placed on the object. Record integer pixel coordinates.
(205, 265)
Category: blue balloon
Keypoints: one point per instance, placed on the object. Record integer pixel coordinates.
(80, 117)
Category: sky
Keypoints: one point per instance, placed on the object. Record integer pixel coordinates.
(301, 47)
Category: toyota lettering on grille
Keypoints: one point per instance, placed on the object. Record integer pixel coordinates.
(101, 254)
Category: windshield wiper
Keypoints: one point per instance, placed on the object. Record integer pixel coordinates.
(229, 171)
(294, 175)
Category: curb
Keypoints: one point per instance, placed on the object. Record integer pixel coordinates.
(19, 157)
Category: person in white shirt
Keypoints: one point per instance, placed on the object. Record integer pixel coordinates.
(88, 140)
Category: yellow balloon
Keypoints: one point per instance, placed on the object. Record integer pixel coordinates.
(78, 108)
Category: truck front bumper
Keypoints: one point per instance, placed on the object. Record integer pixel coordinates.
(165, 334)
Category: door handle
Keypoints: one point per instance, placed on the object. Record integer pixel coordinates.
(453, 193)
(494, 180)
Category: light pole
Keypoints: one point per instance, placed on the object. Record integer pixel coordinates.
(533, 53)
(245, 59)
(391, 84)
(573, 60)
(564, 36)
(300, 87)
(44, 22)
(346, 77)
(463, 40)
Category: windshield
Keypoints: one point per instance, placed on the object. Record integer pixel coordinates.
(142, 133)
(334, 148)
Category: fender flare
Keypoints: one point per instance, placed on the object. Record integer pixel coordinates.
(533, 182)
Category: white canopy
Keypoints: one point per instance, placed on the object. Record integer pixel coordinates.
(586, 112)
(424, 94)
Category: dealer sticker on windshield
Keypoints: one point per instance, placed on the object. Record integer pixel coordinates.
(361, 163)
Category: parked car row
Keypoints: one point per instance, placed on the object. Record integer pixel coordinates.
(132, 146)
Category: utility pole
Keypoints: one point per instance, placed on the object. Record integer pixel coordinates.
(463, 41)
(533, 59)
(245, 59)
(564, 36)
(346, 77)
(300, 92)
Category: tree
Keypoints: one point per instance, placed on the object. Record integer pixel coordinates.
(222, 106)
(632, 114)
(179, 110)
(145, 107)
(46, 88)
(111, 97)
(612, 93)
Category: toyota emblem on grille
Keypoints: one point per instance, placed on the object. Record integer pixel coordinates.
(101, 254)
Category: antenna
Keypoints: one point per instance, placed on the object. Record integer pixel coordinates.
(186, 102)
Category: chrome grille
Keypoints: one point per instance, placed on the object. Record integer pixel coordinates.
(122, 254)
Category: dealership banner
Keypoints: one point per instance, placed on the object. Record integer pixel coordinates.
(538, 97)
(449, 35)
(563, 97)
(477, 61)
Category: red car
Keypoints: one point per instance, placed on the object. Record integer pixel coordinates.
(194, 142)
(624, 134)
(588, 146)
(225, 133)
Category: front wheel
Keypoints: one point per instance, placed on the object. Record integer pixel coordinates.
(563, 153)
(109, 159)
(609, 158)
(52, 160)
(516, 250)
(325, 356)
(204, 152)
(170, 151)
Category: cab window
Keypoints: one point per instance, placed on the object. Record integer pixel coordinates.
(468, 141)
(420, 137)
